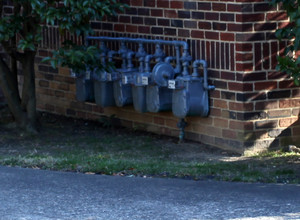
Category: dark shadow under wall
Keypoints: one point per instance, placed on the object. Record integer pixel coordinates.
(287, 136)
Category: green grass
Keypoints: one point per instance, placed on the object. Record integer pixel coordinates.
(113, 163)
(90, 150)
(277, 154)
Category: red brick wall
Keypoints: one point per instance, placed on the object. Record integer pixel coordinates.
(253, 106)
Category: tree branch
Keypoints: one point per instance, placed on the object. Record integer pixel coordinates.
(10, 48)
(1, 8)
(17, 8)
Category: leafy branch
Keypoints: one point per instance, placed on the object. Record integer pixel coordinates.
(289, 62)
(76, 57)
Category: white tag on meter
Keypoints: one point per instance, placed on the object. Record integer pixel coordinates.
(144, 80)
(73, 74)
(171, 84)
(124, 79)
(88, 75)
(108, 77)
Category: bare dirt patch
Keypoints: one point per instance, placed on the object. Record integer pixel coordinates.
(61, 137)
(56, 128)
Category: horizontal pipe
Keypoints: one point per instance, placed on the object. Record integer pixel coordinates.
(175, 43)
(141, 40)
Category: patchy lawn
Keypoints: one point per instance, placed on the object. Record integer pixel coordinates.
(97, 148)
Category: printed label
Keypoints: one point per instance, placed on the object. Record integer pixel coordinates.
(171, 84)
(88, 75)
(124, 79)
(108, 77)
(144, 80)
(73, 74)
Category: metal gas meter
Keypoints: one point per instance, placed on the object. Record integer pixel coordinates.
(103, 80)
(158, 96)
(84, 86)
(190, 93)
(122, 85)
(140, 80)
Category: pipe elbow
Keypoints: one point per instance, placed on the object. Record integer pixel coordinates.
(130, 54)
(197, 63)
(148, 58)
(111, 53)
(181, 43)
(185, 45)
(169, 59)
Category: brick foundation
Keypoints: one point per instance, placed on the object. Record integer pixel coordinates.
(252, 108)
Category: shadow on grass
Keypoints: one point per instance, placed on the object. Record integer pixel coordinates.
(82, 146)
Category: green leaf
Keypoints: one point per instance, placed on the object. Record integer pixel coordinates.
(46, 59)
(74, 18)
(53, 64)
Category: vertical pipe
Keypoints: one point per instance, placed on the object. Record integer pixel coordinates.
(186, 58)
(196, 64)
(141, 55)
(129, 60)
(178, 63)
(103, 51)
(147, 63)
(181, 125)
(123, 52)
(110, 55)
(159, 53)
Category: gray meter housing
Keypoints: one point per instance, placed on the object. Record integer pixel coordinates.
(190, 98)
(159, 97)
(103, 88)
(84, 86)
(140, 81)
(122, 88)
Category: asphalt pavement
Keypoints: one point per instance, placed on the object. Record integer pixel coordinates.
(28, 194)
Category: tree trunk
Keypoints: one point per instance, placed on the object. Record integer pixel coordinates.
(11, 94)
(28, 92)
(24, 111)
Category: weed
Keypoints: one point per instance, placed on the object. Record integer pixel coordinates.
(108, 122)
